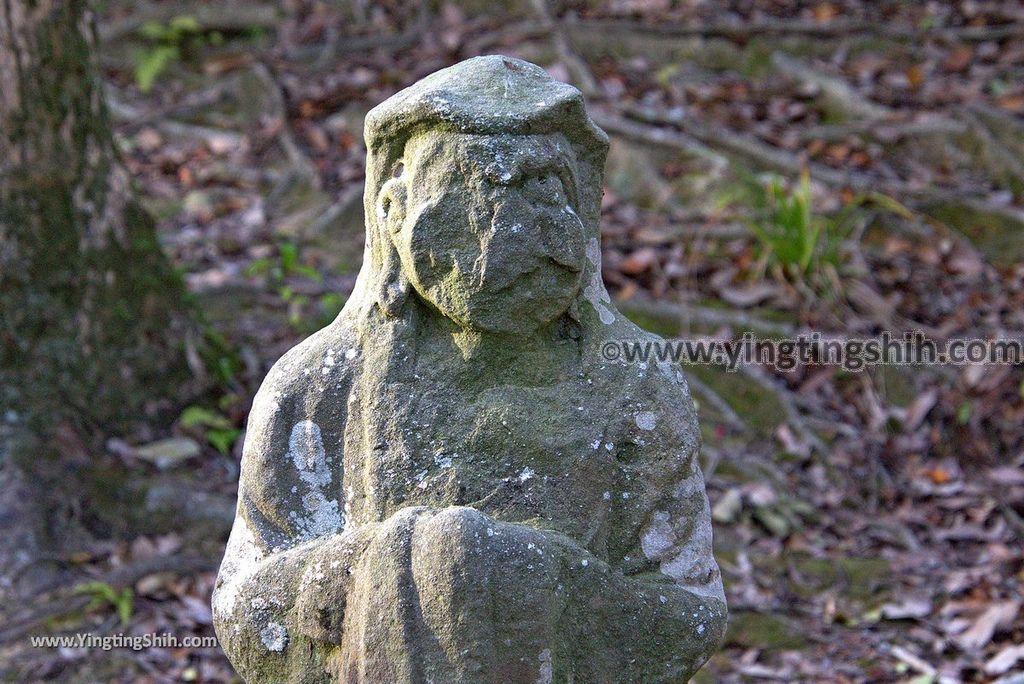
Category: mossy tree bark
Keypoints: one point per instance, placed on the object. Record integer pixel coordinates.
(93, 321)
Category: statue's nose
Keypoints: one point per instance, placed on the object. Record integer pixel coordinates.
(513, 218)
(523, 235)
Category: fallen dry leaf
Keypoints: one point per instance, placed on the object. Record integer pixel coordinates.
(939, 475)
(1007, 475)
(919, 408)
(959, 58)
(911, 607)
(748, 296)
(1004, 660)
(996, 616)
(639, 261)
(1012, 103)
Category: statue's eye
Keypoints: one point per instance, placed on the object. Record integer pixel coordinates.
(499, 174)
(545, 187)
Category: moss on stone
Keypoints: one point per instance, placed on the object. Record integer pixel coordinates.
(765, 631)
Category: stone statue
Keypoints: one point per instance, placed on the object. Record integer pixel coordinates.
(448, 484)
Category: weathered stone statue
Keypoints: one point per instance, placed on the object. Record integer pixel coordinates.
(448, 484)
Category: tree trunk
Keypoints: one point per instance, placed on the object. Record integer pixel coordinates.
(93, 321)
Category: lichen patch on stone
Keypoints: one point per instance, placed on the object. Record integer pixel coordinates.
(659, 537)
(241, 559)
(319, 515)
(274, 636)
(546, 667)
(646, 420)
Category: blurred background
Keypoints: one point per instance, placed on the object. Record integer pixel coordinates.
(843, 166)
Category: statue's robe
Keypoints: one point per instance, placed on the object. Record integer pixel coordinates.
(406, 514)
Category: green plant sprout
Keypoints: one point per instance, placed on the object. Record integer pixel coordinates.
(103, 594)
(219, 431)
(168, 43)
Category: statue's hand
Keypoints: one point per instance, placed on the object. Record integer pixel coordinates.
(323, 590)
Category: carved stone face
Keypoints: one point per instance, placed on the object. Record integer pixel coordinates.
(486, 227)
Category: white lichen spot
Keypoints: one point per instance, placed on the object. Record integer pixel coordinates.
(350, 354)
(691, 563)
(646, 420)
(241, 560)
(607, 496)
(320, 515)
(526, 474)
(595, 445)
(547, 670)
(691, 487)
(667, 370)
(659, 538)
(594, 292)
(274, 636)
(584, 562)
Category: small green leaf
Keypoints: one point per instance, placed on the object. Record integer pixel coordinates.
(289, 256)
(223, 439)
(151, 63)
(309, 272)
(197, 416)
(258, 267)
(153, 30)
(998, 87)
(185, 24)
(104, 594)
(872, 616)
(125, 605)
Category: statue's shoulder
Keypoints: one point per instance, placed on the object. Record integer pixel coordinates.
(309, 383)
(294, 439)
(309, 367)
(638, 365)
(629, 352)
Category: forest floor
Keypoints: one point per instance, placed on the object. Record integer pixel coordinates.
(869, 524)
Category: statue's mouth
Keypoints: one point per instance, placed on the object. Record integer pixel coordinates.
(545, 278)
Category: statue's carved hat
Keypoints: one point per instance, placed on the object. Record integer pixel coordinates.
(492, 94)
(485, 95)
